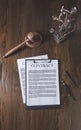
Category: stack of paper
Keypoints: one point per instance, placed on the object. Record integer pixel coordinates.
(39, 80)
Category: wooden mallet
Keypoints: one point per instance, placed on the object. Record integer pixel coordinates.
(32, 39)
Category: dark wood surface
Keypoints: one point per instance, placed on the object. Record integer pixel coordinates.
(18, 17)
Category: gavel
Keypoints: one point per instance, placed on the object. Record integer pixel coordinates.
(32, 39)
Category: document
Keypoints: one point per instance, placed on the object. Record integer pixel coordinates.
(21, 70)
(42, 83)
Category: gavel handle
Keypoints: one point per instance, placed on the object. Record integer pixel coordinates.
(15, 48)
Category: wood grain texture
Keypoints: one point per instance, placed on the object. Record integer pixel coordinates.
(18, 17)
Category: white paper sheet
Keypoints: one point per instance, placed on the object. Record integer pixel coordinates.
(42, 83)
(21, 69)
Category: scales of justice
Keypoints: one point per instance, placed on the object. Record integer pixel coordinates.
(64, 24)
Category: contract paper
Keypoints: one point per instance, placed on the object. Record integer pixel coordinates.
(42, 83)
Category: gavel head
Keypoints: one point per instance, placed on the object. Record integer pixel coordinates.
(34, 39)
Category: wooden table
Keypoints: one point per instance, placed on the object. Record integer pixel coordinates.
(17, 18)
